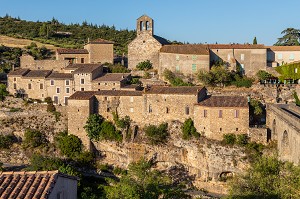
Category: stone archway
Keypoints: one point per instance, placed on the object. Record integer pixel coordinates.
(285, 146)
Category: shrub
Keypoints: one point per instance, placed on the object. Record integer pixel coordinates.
(41, 163)
(3, 92)
(69, 145)
(297, 101)
(93, 126)
(145, 65)
(15, 109)
(33, 138)
(189, 130)
(157, 135)
(48, 100)
(118, 68)
(6, 141)
(229, 139)
(242, 139)
(51, 108)
(263, 75)
(174, 80)
(243, 82)
(109, 132)
(57, 115)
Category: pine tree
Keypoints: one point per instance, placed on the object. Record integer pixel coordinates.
(254, 40)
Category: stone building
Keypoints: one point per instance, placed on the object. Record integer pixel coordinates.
(146, 45)
(37, 184)
(277, 55)
(283, 121)
(219, 115)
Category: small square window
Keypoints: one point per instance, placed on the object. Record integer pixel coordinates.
(67, 82)
(220, 113)
(57, 90)
(279, 56)
(194, 57)
(15, 86)
(131, 110)
(242, 57)
(237, 129)
(67, 90)
(81, 81)
(177, 57)
(99, 84)
(220, 129)
(15, 79)
(204, 113)
(52, 82)
(105, 98)
(177, 68)
(131, 99)
(292, 57)
(194, 67)
(29, 86)
(82, 89)
(41, 86)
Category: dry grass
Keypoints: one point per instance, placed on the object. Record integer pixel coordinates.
(21, 43)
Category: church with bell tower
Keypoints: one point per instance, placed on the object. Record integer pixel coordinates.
(146, 45)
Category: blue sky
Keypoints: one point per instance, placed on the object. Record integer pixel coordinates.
(194, 21)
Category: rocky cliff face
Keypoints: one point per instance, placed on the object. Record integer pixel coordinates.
(205, 160)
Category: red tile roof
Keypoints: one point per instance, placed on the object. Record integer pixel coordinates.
(180, 90)
(236, 46)
(196, 49)
(19, 72)
(224, 101)
(283, 48)
(72, 51)
(112, 77)
(101, 41)
(28, 184)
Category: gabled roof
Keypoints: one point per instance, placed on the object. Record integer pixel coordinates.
(60, 76)
(82, 95)
(19, 72)
(179, 90)
(225, 101)
(283, 48)
(196, 49)
(236, 46)
(87, 68)
(35, 184)
(161, 40)
(112, 77)
(72, 51)
(101, 41)
(38, 73)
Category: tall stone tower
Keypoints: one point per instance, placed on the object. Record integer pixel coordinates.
(146, 45)
(144, 24)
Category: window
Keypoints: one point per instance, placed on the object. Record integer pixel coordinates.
(82, 60)
(279, 56)
(220, 129)
(292, 57)
(228, 57)
(187, 110)
(243, 68)
(236, 113)
(107, 109)
(15, 86)
(194, 67)
(67, 90)
(150, 108)
(15, 79)
(242, 57)
(81, 81)
(82, 89)
(147, 25)
(41, 86)
(52, 82)
(177, 68)
(57, 90)
(167, 110)
(220, 113)
(66, 100)
(114, 84)
(99, 84)
(237, 129)
(105, 98)
(177, 57)
(194, 57)
(131, 99)
(204, 113)
(29, 86)
(131, 110)
(296, 70)
(67, 82)
(55, 99)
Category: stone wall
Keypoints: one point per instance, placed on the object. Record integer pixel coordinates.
(34, 88)
(186, 64)
(63, 93)
(78, 58)
(100, 53)
(143, 47)
(282, 56)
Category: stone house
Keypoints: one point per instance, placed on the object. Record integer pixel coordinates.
(277, 55)
(111, 81)
(219, 115)
(37, 184)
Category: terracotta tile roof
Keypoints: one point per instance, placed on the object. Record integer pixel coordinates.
(112, 77)
(87, 68)
(236, 46)
(180, 90)
(196, 49)
(38, 74)
(60, 76)
(101, 41)
(283, 48)
(72, 51)
(19, 72)
(82, 95)
(28, 184)
(224, 101)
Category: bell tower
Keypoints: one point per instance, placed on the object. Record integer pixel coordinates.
(144, 24)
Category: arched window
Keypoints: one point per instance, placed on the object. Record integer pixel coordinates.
(147, 25)
(141, 25)
(285, 144)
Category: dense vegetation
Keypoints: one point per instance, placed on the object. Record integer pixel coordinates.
(145, 65)
(189, 130)
(174, 79)
(289, 71)
(3, 92)
(157, 134)
(263, 75)
(65, 35)
(291, 37)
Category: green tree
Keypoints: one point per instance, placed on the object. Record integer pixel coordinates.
(33, 138)
(141, 181)
(217, 76)
(93, 126)
(69, 145)
(229, 139)
(3, 92)
(254, 41)
(263, 75)
(255, 107)
(290, 37)
(6, 141)
(157, 134)
(189, 130)
(145, 65)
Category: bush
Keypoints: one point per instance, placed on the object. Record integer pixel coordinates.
(118, 68)
(229, 139)
(174, 80)
(41, 163)
(145, 65)
(33, 138)
(48, 100)
(297, 101)
(263, 75)
(69, 145)
(242, 139)
(6, 141)
(243, 82)
(189, 130)
(109, 132)
(3, 92)
(157, 135)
